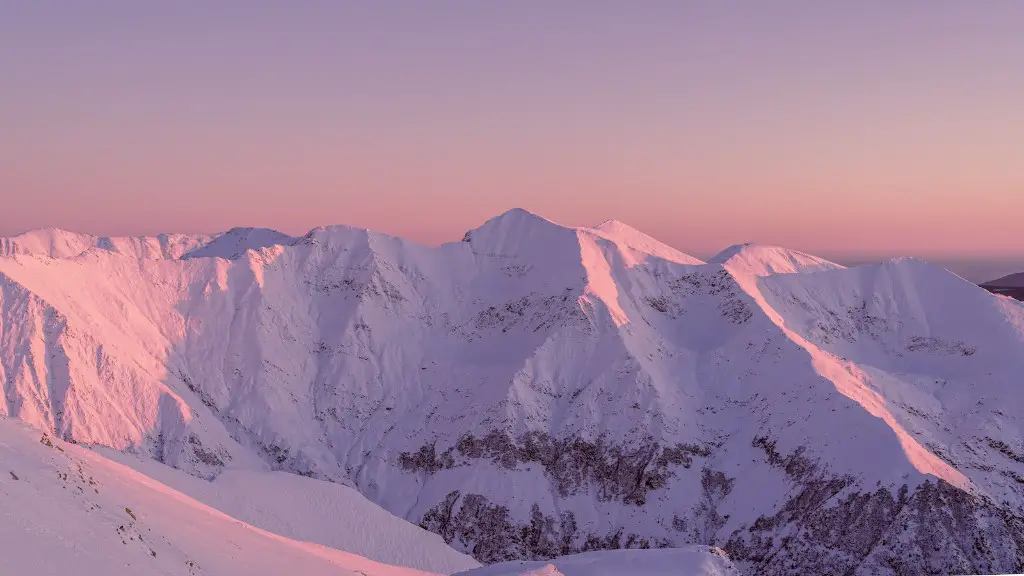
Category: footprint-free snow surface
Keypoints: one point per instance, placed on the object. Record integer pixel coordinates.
(537, 391)
(67, 510)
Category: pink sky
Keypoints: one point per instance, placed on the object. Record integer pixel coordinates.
(854, 128)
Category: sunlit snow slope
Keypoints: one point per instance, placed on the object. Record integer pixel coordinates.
(69, 511)
(760, 260)
(310, 511)
(536, 390)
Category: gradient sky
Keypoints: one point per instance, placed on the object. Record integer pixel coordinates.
(838, 127)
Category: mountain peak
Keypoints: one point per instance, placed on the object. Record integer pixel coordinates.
(520, 217)
(765, 260)
(50, 235)
(729, 252)
(237, 241)
(612, 225)
(517, 231)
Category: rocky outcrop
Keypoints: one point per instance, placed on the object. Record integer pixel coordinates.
(829, 525)
(489, 533)
(615, 472)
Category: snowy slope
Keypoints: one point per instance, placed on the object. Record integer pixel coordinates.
(310, 511)
(690, 561)
(639, 245)
(69, 511)
(536, 390)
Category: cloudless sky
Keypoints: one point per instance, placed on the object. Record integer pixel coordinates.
(838, 127)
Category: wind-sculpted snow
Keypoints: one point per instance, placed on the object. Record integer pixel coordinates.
(537, 390)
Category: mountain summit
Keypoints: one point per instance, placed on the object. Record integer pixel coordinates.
(539, 390)
(763, 260)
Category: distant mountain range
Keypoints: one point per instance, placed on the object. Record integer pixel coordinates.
(537, 390)
(1012, 286)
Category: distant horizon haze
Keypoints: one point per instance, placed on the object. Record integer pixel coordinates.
(853, 131)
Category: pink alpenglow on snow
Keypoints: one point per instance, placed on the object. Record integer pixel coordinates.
(532, 392)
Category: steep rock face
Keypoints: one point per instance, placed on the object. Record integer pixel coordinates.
(536, 390)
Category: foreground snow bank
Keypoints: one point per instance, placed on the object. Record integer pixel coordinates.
(66, 510)
(310, 510)
(689, 561)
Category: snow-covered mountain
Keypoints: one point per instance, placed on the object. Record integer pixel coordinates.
(537, 390)
(1011, 286)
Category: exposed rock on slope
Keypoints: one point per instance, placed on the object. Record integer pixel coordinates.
(535, 390)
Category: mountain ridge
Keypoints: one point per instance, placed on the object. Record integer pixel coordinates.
(63, 243)
(537, 390)
(1008, 281)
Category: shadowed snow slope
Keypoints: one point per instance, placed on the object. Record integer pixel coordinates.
(536, 390)
(237, 241)
(69, 511)
(689, 561)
